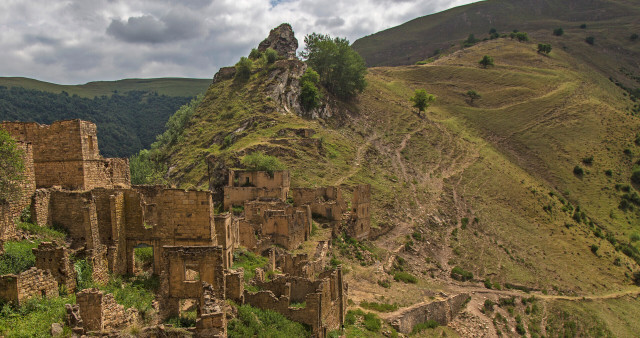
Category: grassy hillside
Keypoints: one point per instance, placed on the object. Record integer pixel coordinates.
(610, 22)
(163, 86)
(487, 186)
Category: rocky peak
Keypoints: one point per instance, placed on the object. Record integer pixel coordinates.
(282, 40)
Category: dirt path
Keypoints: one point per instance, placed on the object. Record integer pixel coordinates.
(355, 166)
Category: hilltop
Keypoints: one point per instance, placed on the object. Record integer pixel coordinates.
(488, 186)
(610, 22)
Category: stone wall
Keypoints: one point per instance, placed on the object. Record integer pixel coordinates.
(31, 283)
(55, 259)
(441, 311)
(224, 237)
(237, 196)
(360, 224)
(11, 210)
(100, 311)
(245, 186)
(66, 154)
(324, 201)
(76, 212)
(40, 207)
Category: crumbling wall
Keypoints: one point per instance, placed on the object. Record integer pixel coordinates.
(237, 196)
(55, 259)
(76, 212)
(245, 186)
(40, 207)
(224, 237)
(360, 223)
(101, 312)
(301, 266)
(441, 311)
(66, 154)
(11, 210)
(324, 201)
(31, 283)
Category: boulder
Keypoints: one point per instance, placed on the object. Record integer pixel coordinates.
(56, 330)
(282, 40)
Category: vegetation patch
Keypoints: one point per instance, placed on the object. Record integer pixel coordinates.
(254, 322)
(17, 257)
(249, 262)
(34, 317)
(429, 324)
(380, 307)
(461, 274)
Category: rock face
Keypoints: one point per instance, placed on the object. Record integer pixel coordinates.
(282, 40)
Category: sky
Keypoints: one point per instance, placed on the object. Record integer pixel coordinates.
(78, 41)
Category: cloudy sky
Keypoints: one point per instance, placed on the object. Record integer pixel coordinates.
(77, 41)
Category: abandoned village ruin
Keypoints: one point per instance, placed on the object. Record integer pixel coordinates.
(69, 185)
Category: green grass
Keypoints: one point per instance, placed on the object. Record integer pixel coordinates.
(17, 257)
(45, 233)
(34, 318)
(134, 291)
(430, 324)
(254, 322)
(249, 261)
(380, 307)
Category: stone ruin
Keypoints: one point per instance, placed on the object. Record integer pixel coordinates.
(70, 186)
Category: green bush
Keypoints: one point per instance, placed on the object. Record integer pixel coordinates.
(430, 324)
(255, 54)
(578, 171)
(486, 61)
(635, 177)
(634, 237)
(174, 128)
(270, 55)
(134, 292)
(259, 161)
(460, 274)
(253, 322)
(11, 168)
(594, 248)
(249, 261)
(143, 256)
(310, 97)
(34, 318)
(144, 170)
(243, 69)
(405, 277)
(84, 274)
(488, 305)
(45, 233)
(17, 257)
(372, 322)
(590, 40)
(558, 31)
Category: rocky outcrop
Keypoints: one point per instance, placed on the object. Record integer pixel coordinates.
(282, 40)
(225, 73)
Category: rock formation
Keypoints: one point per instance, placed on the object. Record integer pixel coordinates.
(282, 40)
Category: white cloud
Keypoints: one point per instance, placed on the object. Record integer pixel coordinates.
(76, 41)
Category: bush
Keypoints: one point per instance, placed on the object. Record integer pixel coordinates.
(372, 322)
(255, 54)
(486, 61)
(594, 249)
(470, 41)
(45, 233)
(144, 170)
(249, 261)
(635, 177)
(634, 237)
(17, 257)
(270, 55)
(134, 292)
(243, 69)
(421, 99)
(590, 40)
(460, 274)
(578, 171)
(583, 26)
(259, 161)
(487, 283)
(558, 31)
(488, 305)
(430, 324)
(84, 274)
(253, 322)
(544, 48)
(34, 318)
(633, 37)
(380, 307)
(520, 36)
(405, 277)
(11, 168)
(608, 172)
(310, 96)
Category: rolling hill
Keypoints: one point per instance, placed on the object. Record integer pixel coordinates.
(488, 186)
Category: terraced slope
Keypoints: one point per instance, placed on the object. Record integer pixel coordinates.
(488, 186)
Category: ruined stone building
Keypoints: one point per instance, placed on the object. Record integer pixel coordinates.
(31, 283)
(250, 185)
(11, 210)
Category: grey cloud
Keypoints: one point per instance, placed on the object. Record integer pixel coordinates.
(335, 21)
(40, 39)
(147, 29)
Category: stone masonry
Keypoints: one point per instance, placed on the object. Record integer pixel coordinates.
(31, 283)
(100, 312)
(55, 259)
(11, 210)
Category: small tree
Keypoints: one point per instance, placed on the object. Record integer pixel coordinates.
(243, 69)
(473, 95)
(633, 37)
(270, 55)
(11, 168)
(421, 99)
(583, 26)
(310, 96)
(255, 54)
(259, 161)
(486, 61)
(470, 41)
(558, 31)
(492, 30)
(590, 40)
(544, 48)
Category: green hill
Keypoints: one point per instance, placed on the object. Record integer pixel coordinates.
(164, 86)
(489, 186)
(129, 113)
(610, 22)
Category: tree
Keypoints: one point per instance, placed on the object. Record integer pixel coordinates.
(473, 95)
(144, 170)
(633, 37)
(544, 48)
(243, 69)
(11, 168)
(310, 96)
(583, 26)
(255, 54)
(558, 31)
(341, 68)
(590, 40)
(421, 99)
(470, 41)
(492, 30)
(520, 36)
(270, 55)
(486, 61)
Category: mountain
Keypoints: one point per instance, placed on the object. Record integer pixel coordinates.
(610, 22)
(129, 113)
(526, 188)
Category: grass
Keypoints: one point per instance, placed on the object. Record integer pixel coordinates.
(254, 322)
(17, 257)
(34, 318)
(249, 261)
(134, 291)
(380, 307)
(44, 233)
(402, 276)
(430, 324)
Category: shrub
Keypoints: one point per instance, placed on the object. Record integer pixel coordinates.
(486, 61)
(405, 277)
(253, 322)
(487, 283)
(635, 177)
(608, 172)
(464, 222)
(633, 37)
(17, 257)
(44, 233)
(270, 55)
(255, 54)
(470, 41)
(421, 99)
(34, 317)
(249, 261)
(558, 31)
(594, 249)
(310, 96)
(84, 274)
(430, 324)
(243, 69)
(259, 161)
(372, 322)
(488, 305)
(380, 307)
(583, 26)
(460, 274)
(144, 170)
(11, 168)
(520, 36)
(578, 171)
(590, 40)
(473, 95)
(634, 237)
(636, 278)
(544, 48)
